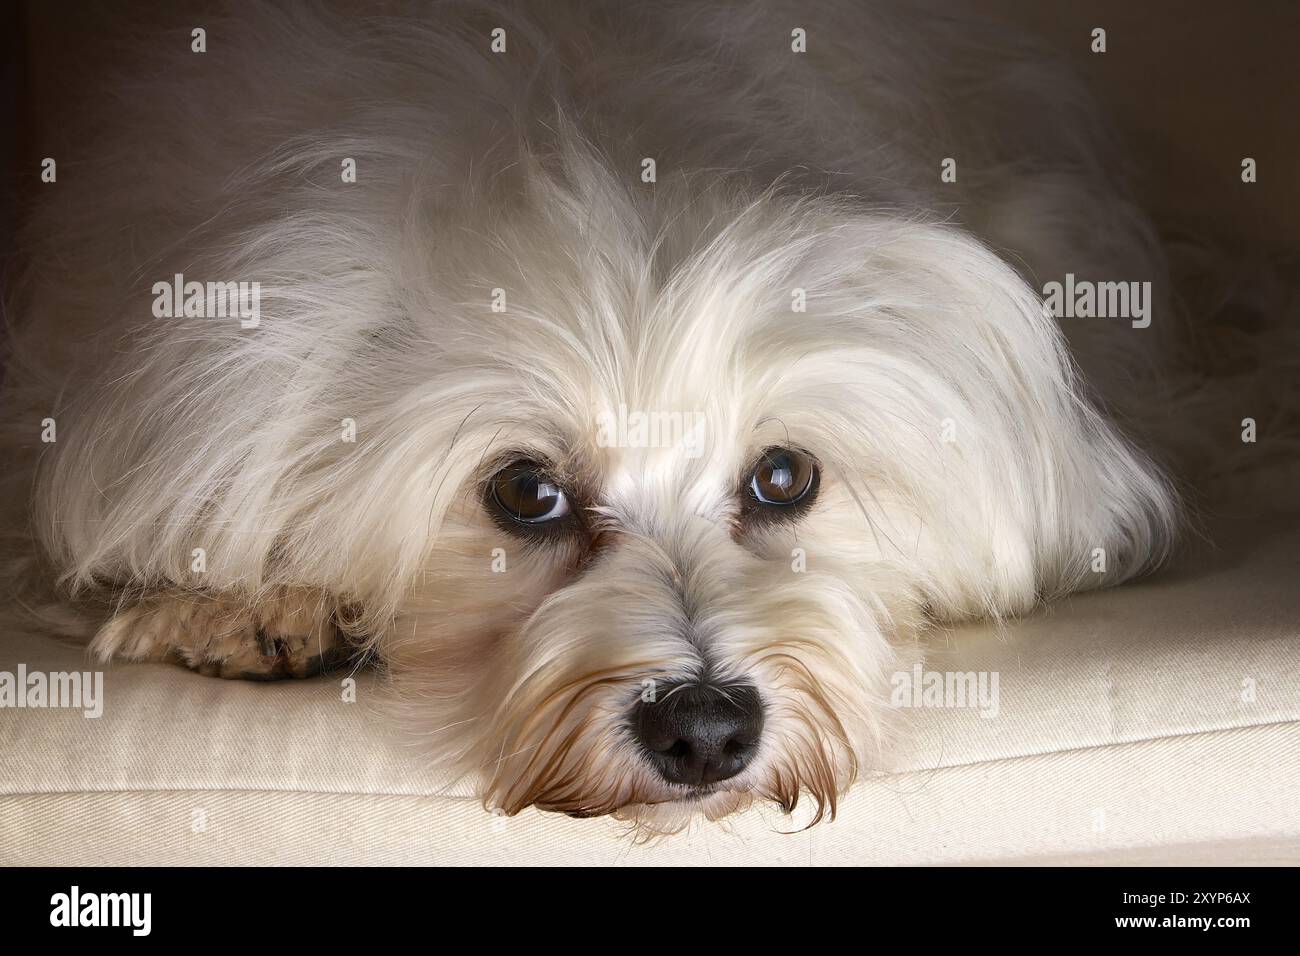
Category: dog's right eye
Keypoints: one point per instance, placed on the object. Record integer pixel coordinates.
(525, 494)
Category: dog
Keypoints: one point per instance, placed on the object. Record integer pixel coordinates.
(636, 384)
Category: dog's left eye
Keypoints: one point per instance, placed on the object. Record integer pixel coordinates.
(784, 477)
(524, 493)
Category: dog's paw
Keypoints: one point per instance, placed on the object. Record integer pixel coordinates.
(293, 634)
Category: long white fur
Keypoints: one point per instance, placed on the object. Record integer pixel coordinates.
(521, 171)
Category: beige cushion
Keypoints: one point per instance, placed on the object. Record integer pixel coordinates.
(1154, 723)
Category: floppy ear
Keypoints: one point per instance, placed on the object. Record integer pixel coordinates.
(967, 412)
(1059, 499)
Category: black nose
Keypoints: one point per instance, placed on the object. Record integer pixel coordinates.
(697, 734)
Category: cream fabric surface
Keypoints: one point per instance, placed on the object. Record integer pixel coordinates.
(1157, 722)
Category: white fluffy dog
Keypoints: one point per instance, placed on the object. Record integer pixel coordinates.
(636, 381)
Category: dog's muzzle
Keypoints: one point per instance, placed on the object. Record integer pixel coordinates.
(697, 735)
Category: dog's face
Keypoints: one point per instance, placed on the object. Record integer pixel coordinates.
(661, 613)
(687, 490)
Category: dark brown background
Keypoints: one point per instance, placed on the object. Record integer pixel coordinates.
(1194, 85)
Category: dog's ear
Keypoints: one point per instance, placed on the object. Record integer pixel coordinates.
(1006, 482)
